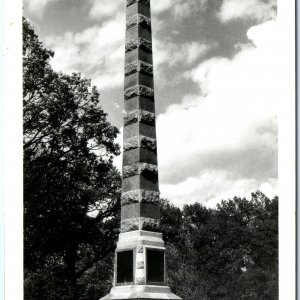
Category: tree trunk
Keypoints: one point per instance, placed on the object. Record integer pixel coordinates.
(70, 260)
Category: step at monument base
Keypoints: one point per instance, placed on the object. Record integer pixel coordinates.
(145, 292)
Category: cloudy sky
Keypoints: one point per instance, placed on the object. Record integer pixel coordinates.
(217, 84)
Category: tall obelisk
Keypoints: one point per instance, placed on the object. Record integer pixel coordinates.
(140, 262)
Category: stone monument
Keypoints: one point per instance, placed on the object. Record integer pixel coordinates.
(140, 261)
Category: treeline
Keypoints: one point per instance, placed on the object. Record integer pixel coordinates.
(230, 252)
(72, 205)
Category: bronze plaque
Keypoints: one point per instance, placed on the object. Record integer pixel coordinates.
(155, 266)
(125, 267)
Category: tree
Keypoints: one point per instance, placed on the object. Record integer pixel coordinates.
(245, 248)
(71, 188)
(230, 252)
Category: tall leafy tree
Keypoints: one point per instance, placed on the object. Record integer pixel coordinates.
(71, 188)
(230, 252)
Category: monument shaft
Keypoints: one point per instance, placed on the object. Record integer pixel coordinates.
(140, 192)
(140, 264)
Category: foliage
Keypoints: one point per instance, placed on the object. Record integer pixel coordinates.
(230, 252)
(68, 174)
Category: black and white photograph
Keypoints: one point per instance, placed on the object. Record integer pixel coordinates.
(155, 148)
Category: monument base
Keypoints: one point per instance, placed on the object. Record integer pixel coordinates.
(140, 268)
(146, 292)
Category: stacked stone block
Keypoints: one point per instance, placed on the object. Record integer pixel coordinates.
(140, 192)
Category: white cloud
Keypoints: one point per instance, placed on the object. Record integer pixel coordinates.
(212, 187)
(261, 10)
(105, 8)
(225, 139)
(159, 6)
(37, 7)
(174, 54)
(97, 52)
(169, 55)
(195, 50)
(179, 8)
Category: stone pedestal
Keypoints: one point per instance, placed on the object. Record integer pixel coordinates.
(140, 268)
(146, 292)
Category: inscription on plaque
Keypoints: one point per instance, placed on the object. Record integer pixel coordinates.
(155, 266)
(125, 267)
